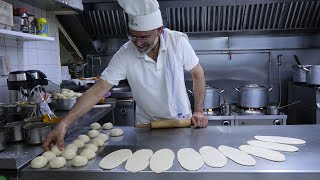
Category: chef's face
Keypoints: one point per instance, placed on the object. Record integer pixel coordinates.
(145, 41)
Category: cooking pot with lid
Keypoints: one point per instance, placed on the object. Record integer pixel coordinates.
(253, 96)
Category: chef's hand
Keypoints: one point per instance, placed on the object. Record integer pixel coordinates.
(56, 136)
(199, 120)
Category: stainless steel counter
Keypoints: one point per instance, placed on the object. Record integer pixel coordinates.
(17, 155)
(304, 164)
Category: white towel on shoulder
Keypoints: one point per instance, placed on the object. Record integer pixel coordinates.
(174, 75)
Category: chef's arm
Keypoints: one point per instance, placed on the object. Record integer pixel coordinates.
(87, 101)
(199, 85)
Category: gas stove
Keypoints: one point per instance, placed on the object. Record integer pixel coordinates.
(244, 116)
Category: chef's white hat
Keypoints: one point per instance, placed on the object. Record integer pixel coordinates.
(143, 15)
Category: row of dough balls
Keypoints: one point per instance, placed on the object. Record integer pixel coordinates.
(70, 153)
(105, 126)
(93, 133)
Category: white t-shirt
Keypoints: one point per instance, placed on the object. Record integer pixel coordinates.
(147, 77)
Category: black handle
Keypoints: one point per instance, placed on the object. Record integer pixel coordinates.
(29, 76)
(297, 60)
(42, 75)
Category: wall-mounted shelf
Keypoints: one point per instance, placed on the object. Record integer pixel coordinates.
(25, 36)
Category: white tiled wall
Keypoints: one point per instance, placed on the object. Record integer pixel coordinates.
(38, 55)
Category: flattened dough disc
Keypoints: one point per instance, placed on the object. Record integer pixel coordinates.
(263, 153)
(280, 139)
(237, 156)
(161, 160)
(139, 160)
(115, 158)
(213, 157)
(190, 159)
(273, 146)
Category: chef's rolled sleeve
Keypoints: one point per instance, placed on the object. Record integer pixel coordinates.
(188, 56)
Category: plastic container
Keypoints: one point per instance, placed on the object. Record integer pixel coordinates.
(42, 27)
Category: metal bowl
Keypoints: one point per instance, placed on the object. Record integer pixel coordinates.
(36, 133)
(15, 131)
(63, 104)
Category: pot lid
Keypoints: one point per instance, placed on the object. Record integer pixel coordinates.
(212, 89)
(253, 87)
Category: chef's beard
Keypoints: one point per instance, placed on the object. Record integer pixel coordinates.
(146, 49)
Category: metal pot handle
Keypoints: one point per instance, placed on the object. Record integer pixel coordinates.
(270, 88)
(237, 89)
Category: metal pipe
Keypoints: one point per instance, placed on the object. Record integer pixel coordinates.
(279, 77)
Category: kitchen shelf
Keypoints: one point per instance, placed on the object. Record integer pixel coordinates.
(25, 36)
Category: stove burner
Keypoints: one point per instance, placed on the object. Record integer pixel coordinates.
(253, 111)
(211, 112)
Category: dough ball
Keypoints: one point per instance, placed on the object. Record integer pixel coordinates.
(78, 143)
(39, 162)
(57, 162)
(71, 146)
(84, 138)
(56, 150)
(78, 161)
(49, 155)
(93, 133)
(88, 153)
(93, 147)
(98, 141)
(104, 137)
(68, 154)
(95, 126)
(107, 126)
(116, 132)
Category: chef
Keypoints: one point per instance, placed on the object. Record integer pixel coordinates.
(153, 61)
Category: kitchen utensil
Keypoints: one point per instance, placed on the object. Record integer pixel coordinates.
(167, 123)
(3, 139)
(212, 98)
(299, 74)
(225, 109)
(253, 96)
(35, 133)
(63, 104)
(299, 63)
(15, 131)
(275, 110)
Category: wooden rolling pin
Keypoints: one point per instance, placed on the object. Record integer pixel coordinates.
(168, 123)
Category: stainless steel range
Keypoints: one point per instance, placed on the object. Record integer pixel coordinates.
(244, 116)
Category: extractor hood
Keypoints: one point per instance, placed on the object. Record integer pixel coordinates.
(57, 5)
(102, 19)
